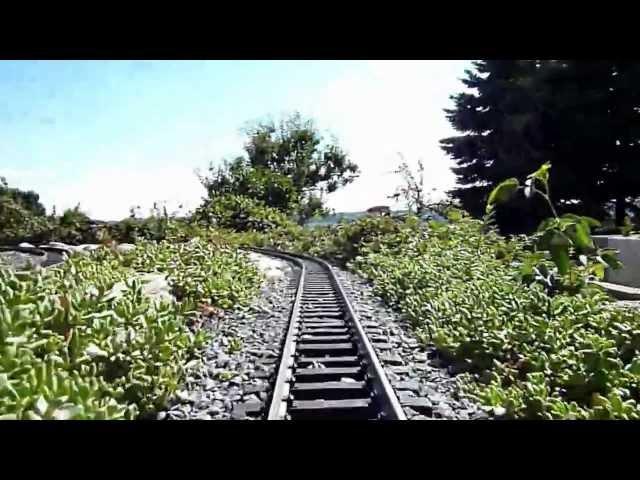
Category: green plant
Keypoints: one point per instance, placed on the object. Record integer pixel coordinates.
(533, 354)
(226, 376)
(240, 214)
(235, 345)
(71, 348)
(565, 239)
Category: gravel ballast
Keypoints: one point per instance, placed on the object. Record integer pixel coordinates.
(225, 384)
(234, 376)
(426, 390)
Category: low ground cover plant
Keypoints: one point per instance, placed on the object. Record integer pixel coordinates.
(72, 349)
(528, 350)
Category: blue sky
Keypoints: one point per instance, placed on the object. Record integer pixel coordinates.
(113, 134)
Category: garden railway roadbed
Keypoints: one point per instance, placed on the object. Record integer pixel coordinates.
(326, 348)
(238, 371)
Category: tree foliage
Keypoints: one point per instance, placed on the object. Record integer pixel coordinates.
(412, 187)
(581, 116)
(288, 166)
(239, 177)
(29, 200)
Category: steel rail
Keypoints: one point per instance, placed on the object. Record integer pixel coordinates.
(389, 406)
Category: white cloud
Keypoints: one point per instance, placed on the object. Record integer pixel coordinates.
(107, 189)
(385, 108)
(378, 109)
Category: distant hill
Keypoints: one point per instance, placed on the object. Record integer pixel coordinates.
(333, 219)
(351, 216)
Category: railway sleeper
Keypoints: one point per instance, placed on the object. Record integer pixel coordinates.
(329, 374)
(334, 390)
(334, 361)
(313, 338)
(360, 409)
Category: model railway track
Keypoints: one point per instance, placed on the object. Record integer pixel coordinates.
(328, 368)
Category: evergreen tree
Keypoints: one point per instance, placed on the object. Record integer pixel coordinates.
(581, 116)
(500, 122)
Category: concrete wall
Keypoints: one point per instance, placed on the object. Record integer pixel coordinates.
(629, 255)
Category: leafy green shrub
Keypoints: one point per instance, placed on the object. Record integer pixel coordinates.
(241, 214)
(70, 348)
(17, 224)
(199, 270)
(536, 355)
(565, 240)
(159, 225)
(262, 184)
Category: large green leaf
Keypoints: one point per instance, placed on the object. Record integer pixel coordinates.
(503, 192)
(580, 236)
(611, 259)
(547, 223)
(559, 248)
(542, 174)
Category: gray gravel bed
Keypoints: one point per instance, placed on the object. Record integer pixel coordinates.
(234, 376)
(426, 390)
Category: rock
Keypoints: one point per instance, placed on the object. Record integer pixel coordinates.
(273, 274)
(391, 358)
(125, 247)
(399, 369)
(223, 360)
(183, 396)
(417, 403)
(177, 414)
(161, 416)
(411, 342)
(267, 361)
(412, 385)
(252, 398)
(420, 357)
(437, 398)
(58, 245)
(20, 261)
(410, 412)
(89, 247)
(499, 411)
(156, 287)
(26, 245)
(255, 388)
(213, 410)
(444, 411)
(480, 415)
(406, 396)
(393, 377)
(238, 413)
(253, 406)
(421, 367)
